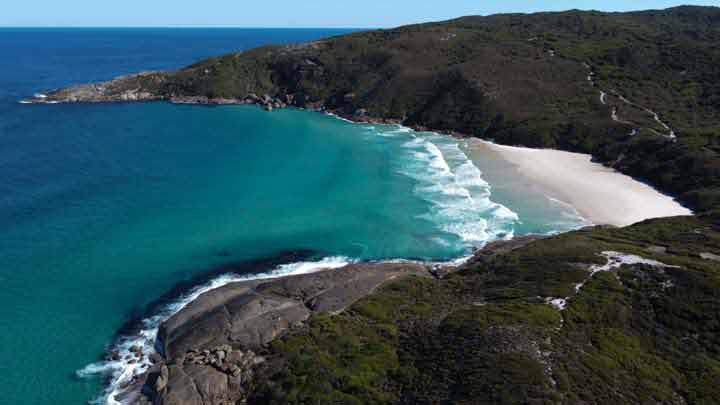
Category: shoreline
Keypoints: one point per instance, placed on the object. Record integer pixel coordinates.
(137, 351)
(600, 194)
(582, 188)
(135, 362)
(597, 193)
(134, 353)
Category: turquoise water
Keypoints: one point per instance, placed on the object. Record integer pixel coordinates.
(106, 208)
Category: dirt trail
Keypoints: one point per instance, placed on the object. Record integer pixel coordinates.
(614, 113)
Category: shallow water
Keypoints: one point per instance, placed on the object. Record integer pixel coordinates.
(105, 208)
(529, 201)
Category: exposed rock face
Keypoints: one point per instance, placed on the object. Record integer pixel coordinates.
(145, 87)
(210, 346)
(125, 88)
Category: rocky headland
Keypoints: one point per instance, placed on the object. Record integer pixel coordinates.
(210, 350)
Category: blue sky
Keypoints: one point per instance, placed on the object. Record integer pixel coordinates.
(284, 13)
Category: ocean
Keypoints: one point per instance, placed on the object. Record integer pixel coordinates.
(115, 215)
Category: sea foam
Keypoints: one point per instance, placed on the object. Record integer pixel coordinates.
(453, 185)
(122, 372)
(459, 196)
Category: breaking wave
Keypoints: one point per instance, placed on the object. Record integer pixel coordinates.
(458, 195)
(460, 205)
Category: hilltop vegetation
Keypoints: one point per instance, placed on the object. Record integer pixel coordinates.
(637, 334)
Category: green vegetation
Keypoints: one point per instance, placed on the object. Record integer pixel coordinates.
(639, 334)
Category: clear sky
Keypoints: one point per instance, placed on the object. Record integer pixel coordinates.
(285, 13)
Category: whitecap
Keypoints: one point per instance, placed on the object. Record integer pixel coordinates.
(458, 195)
(392, 132)
(123, 371)
(402, 130)
(446, 178)
(340, 118)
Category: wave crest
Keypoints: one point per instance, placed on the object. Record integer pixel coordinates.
(459, 196)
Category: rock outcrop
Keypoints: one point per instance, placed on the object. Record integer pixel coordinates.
(145, 87)
(210, 347)
(135, 87)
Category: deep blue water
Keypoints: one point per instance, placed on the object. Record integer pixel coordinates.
(105, 208)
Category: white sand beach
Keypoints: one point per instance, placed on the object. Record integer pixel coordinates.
(600, 194)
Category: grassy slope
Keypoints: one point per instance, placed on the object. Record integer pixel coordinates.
(484, 335)
(494, 77)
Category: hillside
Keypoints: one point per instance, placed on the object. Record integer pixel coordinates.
(644, 332)
(596, 316)
(639, 91)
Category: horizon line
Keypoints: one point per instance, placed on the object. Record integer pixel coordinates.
(189, 26)
(201, 26)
